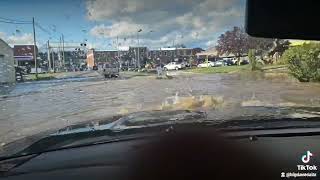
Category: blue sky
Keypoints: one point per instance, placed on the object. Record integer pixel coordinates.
(101, 22)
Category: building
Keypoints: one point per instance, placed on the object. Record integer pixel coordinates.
(213, 55)
(24, 55)
(125, 56)
(7, 65)
(95, 57)
(133, 54)
(128, 56)
(90, 58)
(166, 55)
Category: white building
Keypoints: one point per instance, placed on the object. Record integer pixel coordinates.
(7, 69)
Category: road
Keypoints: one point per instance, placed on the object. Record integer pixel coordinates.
(46, 106)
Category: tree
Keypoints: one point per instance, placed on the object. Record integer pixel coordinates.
(233, 42)
(279, 46)
(180, 46)
(252, 59)
(304, 62)
(261, 45)
(238, 42)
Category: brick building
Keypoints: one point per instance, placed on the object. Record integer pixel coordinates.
(7, 65)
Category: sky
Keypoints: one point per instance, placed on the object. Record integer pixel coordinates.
(103, 23)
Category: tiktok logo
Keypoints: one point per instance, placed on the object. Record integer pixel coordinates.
(306, 158)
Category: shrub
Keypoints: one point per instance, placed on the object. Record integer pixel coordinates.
(303, 62)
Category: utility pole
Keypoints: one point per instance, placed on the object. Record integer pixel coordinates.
(34, 48)
(59, 55)
(48, 53)
(53, 63)
(138, 53)
(138, 48)
(118, 52)
(63, 60)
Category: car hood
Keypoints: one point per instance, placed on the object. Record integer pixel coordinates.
(146, 119)
(138, 120)
(138, 123)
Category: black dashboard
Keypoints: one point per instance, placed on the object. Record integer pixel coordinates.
(262, 154)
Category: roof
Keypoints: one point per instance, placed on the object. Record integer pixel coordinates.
(3, 42)
(101, 51)
(168, 49)
(208, 52)
(123, 48)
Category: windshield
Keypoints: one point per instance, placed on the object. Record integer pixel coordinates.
(54, 57)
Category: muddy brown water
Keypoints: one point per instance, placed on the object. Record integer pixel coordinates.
(53, 106)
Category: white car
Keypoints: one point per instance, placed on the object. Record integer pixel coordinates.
(205, 64)
(219, 63)
(173, 66)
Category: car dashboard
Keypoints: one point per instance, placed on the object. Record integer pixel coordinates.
(263, 154)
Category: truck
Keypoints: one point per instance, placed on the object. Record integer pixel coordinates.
(110, 70)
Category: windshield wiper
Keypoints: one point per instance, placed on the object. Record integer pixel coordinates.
(117, 128)
(139, 125)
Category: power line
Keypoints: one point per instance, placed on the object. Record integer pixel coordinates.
(9, 22)
(42, 28)
(46, 30)
(19, 21)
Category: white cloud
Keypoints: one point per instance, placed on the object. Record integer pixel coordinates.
(121, 29)
(181, 21)
(2, 35)
(22, 39)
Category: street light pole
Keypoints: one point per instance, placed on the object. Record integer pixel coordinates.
(34, 48)
(138, 48)
(63, 60)
(53, 62)
(138, 53)
(49, 62)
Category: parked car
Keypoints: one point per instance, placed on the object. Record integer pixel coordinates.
(228, 62)
(186, 64)
(110, 70)
(95, 68)
(219, 63)
(244, 62)
(174, 66)
(206, 64)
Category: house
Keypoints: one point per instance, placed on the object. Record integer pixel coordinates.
(7, 65)
(212, 55)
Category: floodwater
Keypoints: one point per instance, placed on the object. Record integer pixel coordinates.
(35, 107)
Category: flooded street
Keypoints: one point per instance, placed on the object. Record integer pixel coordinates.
(34, 107)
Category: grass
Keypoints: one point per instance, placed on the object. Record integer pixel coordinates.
(273, 66)
(222, 69)
(46, 76)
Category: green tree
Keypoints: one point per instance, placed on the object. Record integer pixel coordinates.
(303, 62)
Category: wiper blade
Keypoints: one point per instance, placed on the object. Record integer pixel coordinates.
(138, 120)
(132, 125)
